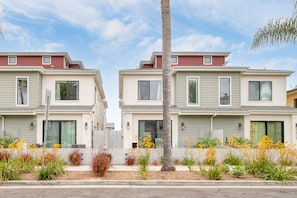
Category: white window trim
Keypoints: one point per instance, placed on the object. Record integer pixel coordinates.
(9, 63)
(204, 63)
(161, 92)
(50, 62)
(260, 101)
(16, 91)
(219, 90)
(198, 92)
(174, 63)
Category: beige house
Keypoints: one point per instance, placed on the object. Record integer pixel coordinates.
(77, 111)
(292, 98)
(208, 99)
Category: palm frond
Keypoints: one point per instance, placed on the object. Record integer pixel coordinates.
(276, 31)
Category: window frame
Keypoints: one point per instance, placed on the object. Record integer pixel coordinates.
(17, 93)
(60, 130)
(149, 94)
(260, 94)
(158, 131)
(197, 78)
(12, 63)
(206, 62)
(65, 82)
(172, 58)
(44, 58)
(230, 90)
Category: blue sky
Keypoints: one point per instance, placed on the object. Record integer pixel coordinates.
(110, 35)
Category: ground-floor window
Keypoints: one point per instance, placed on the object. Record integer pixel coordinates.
(273, 129)
(60, 132)
(153, 128)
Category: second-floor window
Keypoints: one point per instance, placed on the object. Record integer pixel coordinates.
(174, 59)
(225, 90)
(67, 90)
(149, 90)
(22, 90)
(46, 60)
(260, 90)
(12, 60)
(193, 90)
(207, 60)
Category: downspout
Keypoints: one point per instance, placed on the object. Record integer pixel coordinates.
(2, 125)
(211, 121)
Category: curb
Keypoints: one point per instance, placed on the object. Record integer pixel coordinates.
(150, 183)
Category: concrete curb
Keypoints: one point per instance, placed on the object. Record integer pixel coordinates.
(150, 183)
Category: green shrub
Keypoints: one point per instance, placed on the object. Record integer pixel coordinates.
(231, 159)
(225, 168)
(207, 142)
(280, 173)
(213, 172)
(189, 162)
(51, 169)
(238, 171)
(7, 140)
(8, 171)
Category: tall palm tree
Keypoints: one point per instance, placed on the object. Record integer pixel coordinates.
(166, 65)
(277, 31)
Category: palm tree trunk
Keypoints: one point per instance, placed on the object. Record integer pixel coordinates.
(166, 65)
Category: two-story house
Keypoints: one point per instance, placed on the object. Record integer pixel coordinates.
(208, 99)
(77, 105)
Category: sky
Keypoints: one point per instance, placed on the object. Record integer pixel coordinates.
(111, 35)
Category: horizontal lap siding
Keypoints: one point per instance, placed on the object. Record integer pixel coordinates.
(209, 89)
(229, 124)
(8, 88)
(19, 127)
(196, 127)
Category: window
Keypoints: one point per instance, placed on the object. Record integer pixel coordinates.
(273, 129)
(67, 90)
(46, 60)
(149, 90)
(207, 60)
(260, 90)
(193, 89)
(12, 60)
(152, 128)
(22, 90)
(174, 59)
(60, 132)
(225, 90)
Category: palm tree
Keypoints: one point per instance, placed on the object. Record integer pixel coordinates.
(166, 65)
(277, 31)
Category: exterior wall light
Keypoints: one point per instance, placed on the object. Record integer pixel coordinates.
(182, 126)
(86, 125)
(128, 125)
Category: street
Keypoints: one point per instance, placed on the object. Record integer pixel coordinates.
(146, 191)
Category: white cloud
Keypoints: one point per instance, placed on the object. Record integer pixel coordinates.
(242, 16)
(113, 29)
(17, 34)
(53, 47)
(197, 42)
